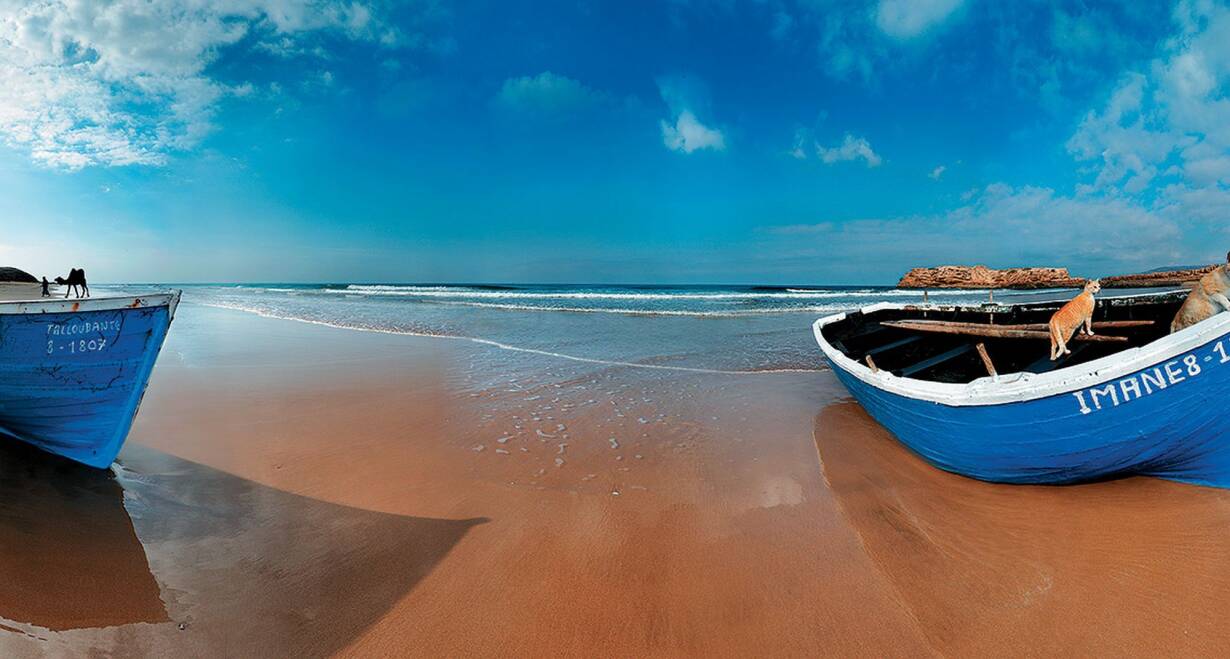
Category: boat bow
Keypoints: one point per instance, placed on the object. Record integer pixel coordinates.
(73, 372)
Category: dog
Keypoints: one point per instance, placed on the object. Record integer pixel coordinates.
(1206, 300)
(76, 278)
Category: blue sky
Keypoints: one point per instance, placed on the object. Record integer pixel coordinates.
(767, 141)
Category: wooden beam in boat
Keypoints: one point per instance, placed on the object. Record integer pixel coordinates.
(1046, 364)
(895, 344)
(1104, 325)
(986, 359)
(992, 331)
(871, 364)
(866, 330)
(1110, 324)
(936, 360)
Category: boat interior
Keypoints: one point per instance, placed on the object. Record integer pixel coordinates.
(962, 344)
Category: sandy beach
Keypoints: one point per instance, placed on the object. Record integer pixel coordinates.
(10, 291)
(292, 489)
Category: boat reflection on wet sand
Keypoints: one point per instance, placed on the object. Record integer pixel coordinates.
(70, 557)
(217, 564)
(1136, 565)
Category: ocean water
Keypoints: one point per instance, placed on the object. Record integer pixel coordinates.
(687, 328)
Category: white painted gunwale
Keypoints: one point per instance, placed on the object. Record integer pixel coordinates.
(1022, 387)
(81, 305)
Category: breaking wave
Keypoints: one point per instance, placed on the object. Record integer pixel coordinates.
(733, 313)
(466, 292)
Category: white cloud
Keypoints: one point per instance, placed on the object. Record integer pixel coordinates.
(1205, 165)
(851, 148)
(1003, 226)
(1168, 125)
(937, 173)
(120, 82)
(782, 25)
(545, 92)
(846, 44)
(1207, 204)
(688, 134)
(853, 39)
(904, 19)
(684, 131)
(799, 150)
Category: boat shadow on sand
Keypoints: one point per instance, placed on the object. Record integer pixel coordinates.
(1136, 565)
(69, 555)
(215, 563)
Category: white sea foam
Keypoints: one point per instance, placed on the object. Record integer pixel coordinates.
(264, 313)
(449, 292)
(629, 311)
(402, 287)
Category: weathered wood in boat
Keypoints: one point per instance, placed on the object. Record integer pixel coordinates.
(993, 331)
(1108, 324)
(986, 359)
(895, 344)
(867, 330)
(871, 363)
(1104, 325)
(1046, 365)
(936, 360)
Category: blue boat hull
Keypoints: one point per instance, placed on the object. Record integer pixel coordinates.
(1166, 419)
(71, 381)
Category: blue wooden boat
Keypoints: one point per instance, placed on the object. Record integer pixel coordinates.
(72, 372)
(972, 389)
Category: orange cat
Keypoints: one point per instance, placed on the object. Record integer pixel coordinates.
(1070, 317)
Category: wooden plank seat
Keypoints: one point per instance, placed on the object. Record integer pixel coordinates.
(895, 344)
(936, 360)
(992, 331)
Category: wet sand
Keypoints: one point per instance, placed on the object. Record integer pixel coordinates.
(1136, 566)
(296, 490)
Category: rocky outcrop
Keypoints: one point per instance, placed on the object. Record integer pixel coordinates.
(1182, 277)
(13, 275)
(979, 276)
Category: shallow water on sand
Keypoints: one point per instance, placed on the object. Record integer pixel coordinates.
(718, 328)
(291, 489)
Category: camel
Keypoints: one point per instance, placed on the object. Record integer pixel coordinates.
(76, 277)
